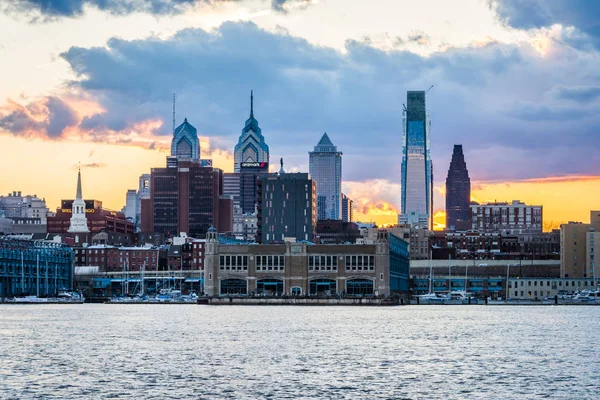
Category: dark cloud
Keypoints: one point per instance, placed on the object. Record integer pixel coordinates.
(47, 117)
(492, 99)
(581, 94)
(52, 9)
(527, 14)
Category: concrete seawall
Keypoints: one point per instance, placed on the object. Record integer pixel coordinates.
(238, 301)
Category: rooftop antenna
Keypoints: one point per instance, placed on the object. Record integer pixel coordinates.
(251, 103)
(173, 113)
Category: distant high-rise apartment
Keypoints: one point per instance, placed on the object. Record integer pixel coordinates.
(506, 218)
(347, 209)
(579, 248)
(417, 169)
(251, 146)
(286, 208)
(325, 167)
(458, 192)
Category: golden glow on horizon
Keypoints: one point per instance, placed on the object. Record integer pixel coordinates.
(48, 168)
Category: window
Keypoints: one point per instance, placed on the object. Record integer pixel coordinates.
(360, 263)
(322, 263)
(270, 263)
(233, 263)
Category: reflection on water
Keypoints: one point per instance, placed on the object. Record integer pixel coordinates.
(187, 351)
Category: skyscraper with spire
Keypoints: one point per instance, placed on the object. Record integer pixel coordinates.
(325, 167)
(251, 146)
(78, 218)
(417, 168)
(458, 192)
(185, 143)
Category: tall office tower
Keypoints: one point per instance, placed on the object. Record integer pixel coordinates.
(417, 169)
(458, 192)
(251, 147)
(286, 208)
(188, 199)
(347, 209)
(325, 167)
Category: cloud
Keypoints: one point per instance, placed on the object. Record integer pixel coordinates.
(531, 14)
(89, 165)
(580, 94)
(46, 10)
(500, 101)
(47, 117)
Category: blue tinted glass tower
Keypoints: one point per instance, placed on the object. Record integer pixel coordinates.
(417, 169)
(185, 143)
(325, 167)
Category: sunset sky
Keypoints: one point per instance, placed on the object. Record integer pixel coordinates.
(516, 82)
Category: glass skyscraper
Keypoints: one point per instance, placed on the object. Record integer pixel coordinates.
(325, 167)
(417, 169)
(185, 143)
(251, 147)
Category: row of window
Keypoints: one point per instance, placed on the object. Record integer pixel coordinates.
(270, 263)
(551, 283)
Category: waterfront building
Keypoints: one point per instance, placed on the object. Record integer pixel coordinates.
(286, 208)
(482, 278)
(458, 192)
(506, 218)
(78, 223)
(185, 144)
(187, 198)
(325, 168)
(304, 269)
(573, 257)
(417, 168)
(347, 209)
(34, 267)
(540, 288)
(251, 146)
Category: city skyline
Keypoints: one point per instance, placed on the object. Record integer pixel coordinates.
(503, 86)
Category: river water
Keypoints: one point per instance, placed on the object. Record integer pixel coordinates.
(98, 351)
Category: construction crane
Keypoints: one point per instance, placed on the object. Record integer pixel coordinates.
(430, 87)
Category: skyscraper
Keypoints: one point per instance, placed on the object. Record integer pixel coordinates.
(417, 169)
(325, 167)
(251, 147)
(458, 192)
(286, 208)
(185, 143)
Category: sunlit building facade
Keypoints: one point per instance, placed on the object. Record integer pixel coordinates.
(417, 169)
(325, 167)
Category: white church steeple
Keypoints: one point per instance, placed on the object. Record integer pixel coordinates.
(78, 218)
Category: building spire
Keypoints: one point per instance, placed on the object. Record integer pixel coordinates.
(79, 196)
(251, 103)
